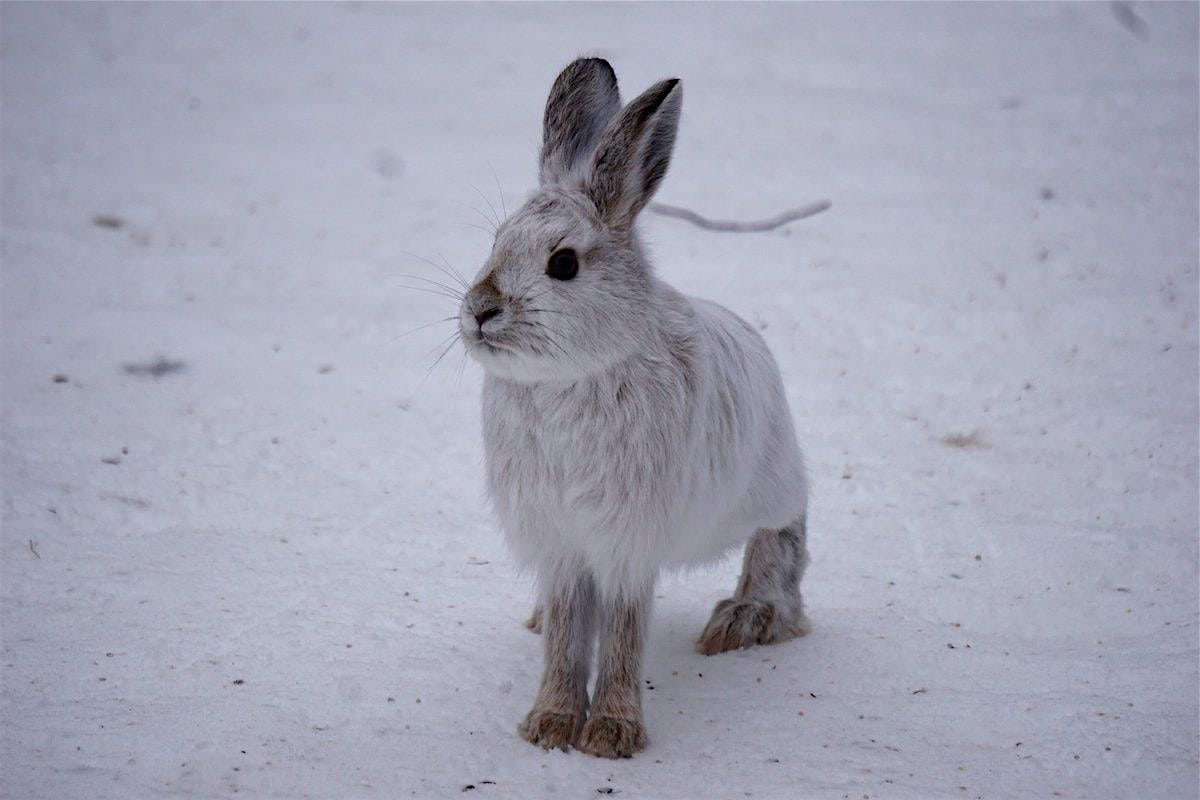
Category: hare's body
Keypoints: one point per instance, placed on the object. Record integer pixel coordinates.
(669, 458)
(628, 428)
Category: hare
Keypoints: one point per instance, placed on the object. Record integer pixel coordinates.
(627, 427)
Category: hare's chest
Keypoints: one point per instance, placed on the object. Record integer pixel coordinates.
(564, 460)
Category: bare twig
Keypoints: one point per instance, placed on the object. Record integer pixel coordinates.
(33, 548)
(732, 226)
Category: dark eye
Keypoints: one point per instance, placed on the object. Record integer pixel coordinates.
(563, 265)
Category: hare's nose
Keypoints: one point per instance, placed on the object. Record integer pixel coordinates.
(483, 316)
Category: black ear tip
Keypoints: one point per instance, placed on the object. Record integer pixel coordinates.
(664, 89)
(599, 65)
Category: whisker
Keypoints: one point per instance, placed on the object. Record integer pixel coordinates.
(489, 204)
(449, 338)
(423, 327)
(486, 218)
(462, 368)
(548, 336)
(434, 283)
(454, 341)
(536, 296)
(455, 337)
(496, 178)
(462, 364)
(563, 350)
(532, 298)
(489, 231)
(455, 273)
(435, 266)
(439, 293)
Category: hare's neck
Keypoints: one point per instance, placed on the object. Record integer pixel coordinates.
(579, 392)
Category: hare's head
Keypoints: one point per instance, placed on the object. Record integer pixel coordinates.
(566, 291)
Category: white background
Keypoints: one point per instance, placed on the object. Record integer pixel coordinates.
(290, 584)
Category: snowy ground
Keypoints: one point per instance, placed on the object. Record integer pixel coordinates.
(270, 571)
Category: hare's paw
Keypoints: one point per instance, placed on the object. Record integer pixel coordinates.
(551, 729)
(735, 624)
(612, 737)
(534, 623)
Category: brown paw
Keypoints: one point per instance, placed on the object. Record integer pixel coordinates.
(612, 737)
(551, 729)
(534, 623)
(734, 625)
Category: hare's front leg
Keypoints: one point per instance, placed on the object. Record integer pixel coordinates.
(615, 729)
(558, 713)
(767, 607)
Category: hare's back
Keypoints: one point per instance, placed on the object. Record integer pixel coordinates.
(748, 392)
(737, 345)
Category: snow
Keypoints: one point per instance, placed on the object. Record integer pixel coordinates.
(289, 584)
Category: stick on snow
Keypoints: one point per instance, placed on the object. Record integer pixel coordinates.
(740, 227)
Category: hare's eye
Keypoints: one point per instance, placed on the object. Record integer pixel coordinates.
(563, 265)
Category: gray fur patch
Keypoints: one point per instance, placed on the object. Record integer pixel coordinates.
(582, 101)
(633, 153)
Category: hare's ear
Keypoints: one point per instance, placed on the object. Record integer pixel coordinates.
(633, 153)
(582, 101)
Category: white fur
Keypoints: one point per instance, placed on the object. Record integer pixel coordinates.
(627, 427)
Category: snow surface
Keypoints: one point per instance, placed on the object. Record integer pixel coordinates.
(267, 568)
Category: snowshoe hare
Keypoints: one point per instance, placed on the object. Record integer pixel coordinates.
(627, 427)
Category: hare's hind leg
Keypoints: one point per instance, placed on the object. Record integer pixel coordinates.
(767, 607)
